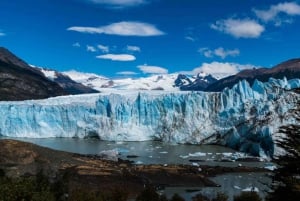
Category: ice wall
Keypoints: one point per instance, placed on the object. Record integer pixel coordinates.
(243, 117)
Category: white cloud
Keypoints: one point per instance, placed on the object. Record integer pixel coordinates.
(220, 52)
(190, 38)
(1, 33)
(133, 48)
(239, 28)
(273, 13)
(126, 73)
(221, 70)
(125, 28)
(103, 48)
(120, 3)
(206, 52)
(152, 69)
(90, 48)
(117, 57)
(76, 44)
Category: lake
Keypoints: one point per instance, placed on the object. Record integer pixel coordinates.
(153, 152)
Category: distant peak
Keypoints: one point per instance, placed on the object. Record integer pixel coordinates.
(8, 57)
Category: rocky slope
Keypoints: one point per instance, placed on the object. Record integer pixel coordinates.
(18, 81)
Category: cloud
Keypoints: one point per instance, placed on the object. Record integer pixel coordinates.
(125, 28)
(90, 48)
(117, 57)
(76, 44)
(2, 33)
(190, 38)
(152, 69)
(133, 48)
(126, 73)
(120, 3)
(103, 48)
(273, 13)
(239, 28)
(220, 52)
(221, 70)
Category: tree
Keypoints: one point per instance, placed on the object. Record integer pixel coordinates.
(286, 179)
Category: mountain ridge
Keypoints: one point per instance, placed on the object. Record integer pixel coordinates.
(289, 69)
(18, 81)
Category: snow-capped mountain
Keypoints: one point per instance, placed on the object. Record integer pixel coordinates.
(244, 117)
(64, 81)
(155, 82)
(166, 82)
(198, 82)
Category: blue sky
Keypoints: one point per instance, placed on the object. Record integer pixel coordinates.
(141, 37)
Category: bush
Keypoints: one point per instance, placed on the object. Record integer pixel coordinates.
(148, 194)
(177, 197)
(200, 197)
(25, 189)
(247, 196)
(220, 197)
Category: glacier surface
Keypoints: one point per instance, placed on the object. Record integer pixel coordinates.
(245, 117)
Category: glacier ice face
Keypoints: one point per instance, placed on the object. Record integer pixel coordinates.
(243, 117)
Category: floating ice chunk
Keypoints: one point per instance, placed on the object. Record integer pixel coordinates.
(138, 163)
(270, 167)
(184, 156)
(197, 154)
(122, 150)
(237, 187)
(163, 152)
(195, 164)
(251, 189)
(228, 154)
(109, 154)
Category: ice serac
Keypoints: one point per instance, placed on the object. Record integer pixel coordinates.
(243, 117)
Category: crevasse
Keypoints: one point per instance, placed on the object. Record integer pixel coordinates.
(244, 117)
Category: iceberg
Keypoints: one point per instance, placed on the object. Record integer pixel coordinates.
(244, 117)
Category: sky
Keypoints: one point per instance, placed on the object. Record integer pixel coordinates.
(121, 38)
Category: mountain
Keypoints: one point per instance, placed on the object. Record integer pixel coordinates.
(289, 69)
(65, 81)
(195, 83)
(245, 118)
(18, 81)
(155, 82)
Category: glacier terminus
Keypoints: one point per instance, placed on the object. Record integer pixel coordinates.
(244, 117)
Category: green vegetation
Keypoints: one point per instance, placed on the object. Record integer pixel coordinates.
(26, 189)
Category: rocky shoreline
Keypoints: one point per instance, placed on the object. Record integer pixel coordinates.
(19, 159)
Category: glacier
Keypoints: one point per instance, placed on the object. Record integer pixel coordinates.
(244, 117)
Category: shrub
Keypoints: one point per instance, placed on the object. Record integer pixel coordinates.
(220, 197)
(247, 196)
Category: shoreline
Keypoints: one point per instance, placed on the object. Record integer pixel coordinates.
(19, 159)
